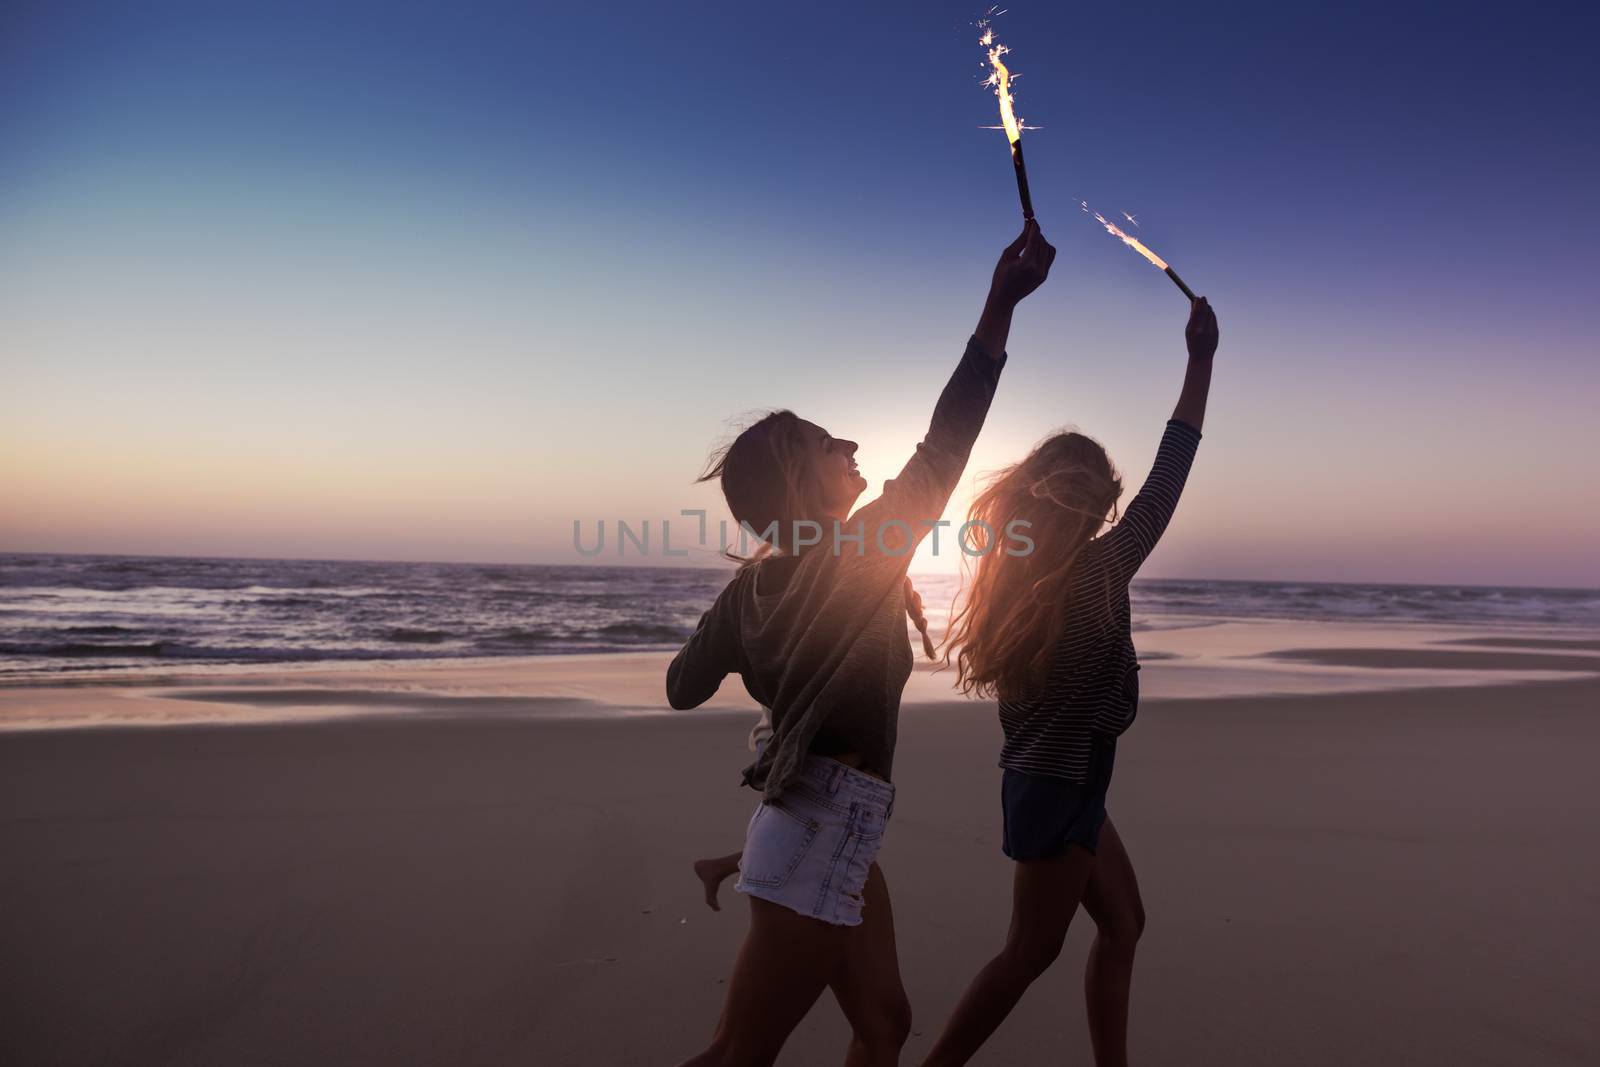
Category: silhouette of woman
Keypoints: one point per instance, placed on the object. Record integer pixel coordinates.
(815, 631)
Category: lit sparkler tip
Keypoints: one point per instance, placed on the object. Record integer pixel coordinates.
(1130, 218)
(999, 80)
(1132, 242)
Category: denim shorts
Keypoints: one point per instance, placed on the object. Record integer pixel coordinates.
(1044, 814)
(811, 848)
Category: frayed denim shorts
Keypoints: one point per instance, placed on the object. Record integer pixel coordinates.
(811, 848)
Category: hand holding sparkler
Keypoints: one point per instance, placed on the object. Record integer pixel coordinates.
(1201, 335)
(1023, 267)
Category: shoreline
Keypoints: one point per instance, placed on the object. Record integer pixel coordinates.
(1203, 659)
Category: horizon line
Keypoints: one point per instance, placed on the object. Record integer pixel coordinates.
(646, 565)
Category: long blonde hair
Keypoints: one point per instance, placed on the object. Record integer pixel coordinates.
(1012, 608)
(766, 479)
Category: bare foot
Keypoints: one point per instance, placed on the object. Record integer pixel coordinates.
(713, 873)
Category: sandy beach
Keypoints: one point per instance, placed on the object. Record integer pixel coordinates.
(1354, 847)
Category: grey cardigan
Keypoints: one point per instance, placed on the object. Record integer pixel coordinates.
(820, 638)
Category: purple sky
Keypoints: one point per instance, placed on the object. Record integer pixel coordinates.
(359, 283)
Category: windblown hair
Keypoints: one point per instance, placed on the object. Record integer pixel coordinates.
(1013, 608)
(765, 476)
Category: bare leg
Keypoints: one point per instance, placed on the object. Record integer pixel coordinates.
(785, 963)
(867, 983)
(714, 872)
(1112, 900)
(1044, 896)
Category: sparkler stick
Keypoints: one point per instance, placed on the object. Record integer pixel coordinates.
(1179, 283)
(1022, 180)
(1134, 243)
(1000, 78)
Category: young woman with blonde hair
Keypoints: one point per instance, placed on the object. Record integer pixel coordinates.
(816, 630)
(1049, 633)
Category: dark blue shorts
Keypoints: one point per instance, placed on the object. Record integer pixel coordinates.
(1043, 815)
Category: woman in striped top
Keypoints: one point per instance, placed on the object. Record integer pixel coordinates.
(1049, 633)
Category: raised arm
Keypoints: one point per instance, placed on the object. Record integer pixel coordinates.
(1135, 536)
(1201, 335)
(1023, 267)
(918, 495)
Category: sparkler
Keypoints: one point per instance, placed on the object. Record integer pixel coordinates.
(1134, 243)
(1000, 79)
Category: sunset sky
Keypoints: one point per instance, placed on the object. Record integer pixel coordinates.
(400, 281)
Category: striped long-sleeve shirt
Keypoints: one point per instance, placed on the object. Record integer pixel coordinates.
(1092, 686)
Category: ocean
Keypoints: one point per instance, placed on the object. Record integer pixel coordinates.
(83, 613)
